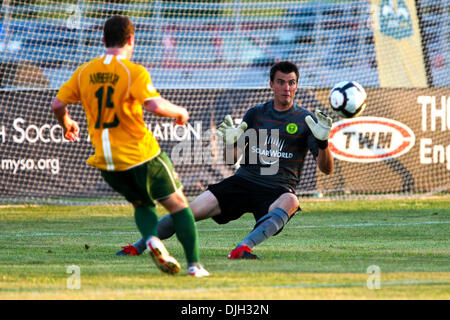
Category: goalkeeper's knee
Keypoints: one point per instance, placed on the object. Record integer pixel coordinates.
(279, 217)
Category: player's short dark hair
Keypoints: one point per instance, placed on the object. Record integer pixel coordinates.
(285, 67)
(117, 30)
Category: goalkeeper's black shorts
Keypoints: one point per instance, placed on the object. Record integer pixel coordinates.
(237, 196)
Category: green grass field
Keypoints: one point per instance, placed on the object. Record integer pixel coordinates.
(323, 253)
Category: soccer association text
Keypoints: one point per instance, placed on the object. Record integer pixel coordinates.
(232, 310)
(16, 165)
(31, 133)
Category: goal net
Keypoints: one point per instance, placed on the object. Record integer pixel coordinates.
(214, 58)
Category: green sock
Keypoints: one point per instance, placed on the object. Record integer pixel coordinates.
(186, 232)
(146, 221)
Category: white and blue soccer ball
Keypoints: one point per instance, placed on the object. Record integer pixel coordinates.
(348, 99)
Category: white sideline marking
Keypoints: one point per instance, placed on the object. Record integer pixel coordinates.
(118, 233)
(338, 226)
(356, 225)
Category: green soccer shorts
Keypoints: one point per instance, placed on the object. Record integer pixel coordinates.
(153, 180)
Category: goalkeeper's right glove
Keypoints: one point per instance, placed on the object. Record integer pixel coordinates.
(320, 129)
(228, 132)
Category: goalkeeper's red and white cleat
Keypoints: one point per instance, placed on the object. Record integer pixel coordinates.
(198, 271)
(242, 252)
(128, 250)
(163, 260)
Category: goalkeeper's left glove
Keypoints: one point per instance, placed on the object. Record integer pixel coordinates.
(320, 129)
(228, 132)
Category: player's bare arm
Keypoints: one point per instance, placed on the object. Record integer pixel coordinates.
(164, 108)
(321, 131)
(70, 127)
(325, 161)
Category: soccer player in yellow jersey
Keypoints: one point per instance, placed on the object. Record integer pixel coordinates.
(113, 92)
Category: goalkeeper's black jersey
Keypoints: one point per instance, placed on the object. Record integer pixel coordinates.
(276, 160)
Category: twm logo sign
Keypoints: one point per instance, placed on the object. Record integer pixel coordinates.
(370, 139)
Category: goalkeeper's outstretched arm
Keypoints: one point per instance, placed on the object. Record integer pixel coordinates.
(321, 131)
(325, 161)
(230, 134)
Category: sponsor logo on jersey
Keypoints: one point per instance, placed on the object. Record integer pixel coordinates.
(370, 139)
(272, 151)
(291, 128)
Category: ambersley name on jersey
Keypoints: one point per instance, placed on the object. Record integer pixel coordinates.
(103, 77)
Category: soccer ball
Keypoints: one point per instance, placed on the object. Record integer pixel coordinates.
(348, 99)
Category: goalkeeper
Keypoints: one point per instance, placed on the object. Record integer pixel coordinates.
(112, 91)
(271, 197)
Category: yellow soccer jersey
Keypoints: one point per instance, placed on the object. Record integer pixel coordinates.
(112, 91)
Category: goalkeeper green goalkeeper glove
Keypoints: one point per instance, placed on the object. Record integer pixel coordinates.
(228, 132)
(320, 129)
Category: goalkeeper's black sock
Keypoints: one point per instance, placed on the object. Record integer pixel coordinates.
(186, 231)
(140, 245)
(166, 229)
(146, 220)
(266, 227)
